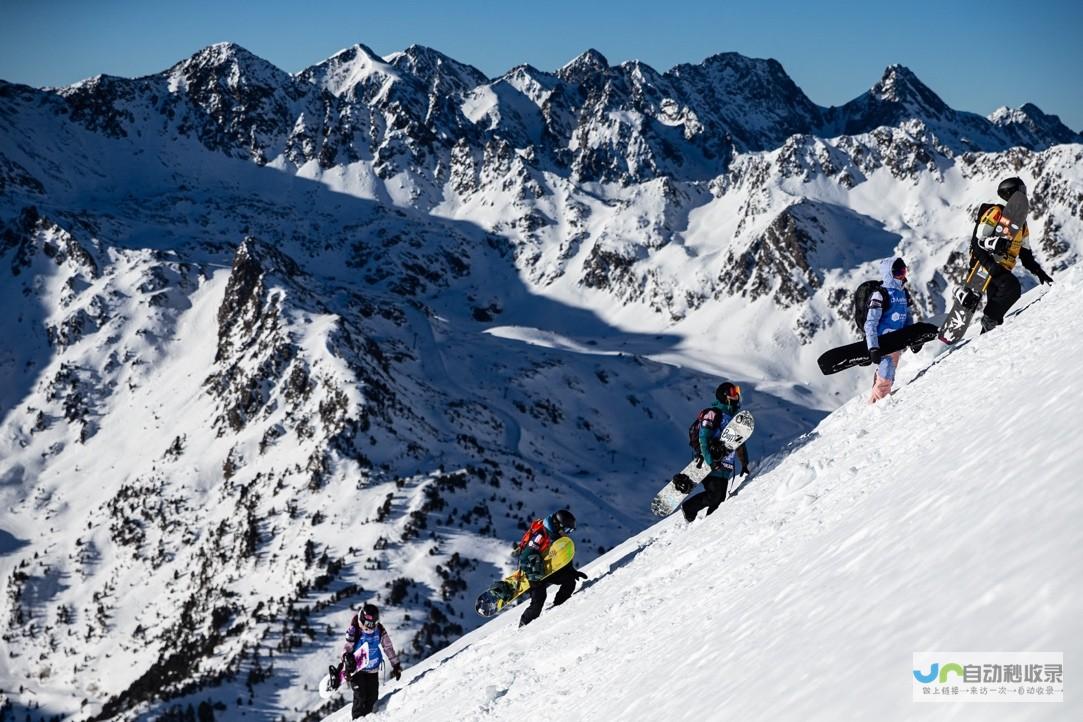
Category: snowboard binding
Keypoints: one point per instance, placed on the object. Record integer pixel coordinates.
(995, 244)
(502, 591)
(967, 298)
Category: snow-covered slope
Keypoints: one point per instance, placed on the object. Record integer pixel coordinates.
(944, 518)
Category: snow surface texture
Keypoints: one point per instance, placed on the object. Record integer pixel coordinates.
(946, 517)
(282, 344)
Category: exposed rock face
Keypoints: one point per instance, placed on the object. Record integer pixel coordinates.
(777, 261)
(753, 102)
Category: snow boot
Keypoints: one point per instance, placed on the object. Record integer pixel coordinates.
(988, 324)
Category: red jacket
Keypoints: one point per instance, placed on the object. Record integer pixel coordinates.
(536, 538)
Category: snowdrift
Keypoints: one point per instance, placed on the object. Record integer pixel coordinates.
(944, 518)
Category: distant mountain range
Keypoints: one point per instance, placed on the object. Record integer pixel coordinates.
(624, 123)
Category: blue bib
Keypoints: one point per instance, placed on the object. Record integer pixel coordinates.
(366, 650)
(727, 460)
(893, 317)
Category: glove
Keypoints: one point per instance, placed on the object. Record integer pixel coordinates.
(333, 675)
(396, 672)
(580, 575)
(1043, 277)
(916, 347)
(348, 663)
(875, 355)
(682, 483)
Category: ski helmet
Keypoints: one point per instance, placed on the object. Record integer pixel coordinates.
(563, 522)
(728, 393)
(898, 268)
(368, 616)
(1009, 186)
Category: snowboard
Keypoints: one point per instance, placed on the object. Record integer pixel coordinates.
(857, 353)
(966, 298)
(501, 594)
(325, 689)
(736, 433)
(361, 660)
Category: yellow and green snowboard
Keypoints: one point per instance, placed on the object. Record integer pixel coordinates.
(506, 591)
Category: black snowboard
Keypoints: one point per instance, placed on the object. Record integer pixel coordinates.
(967, 298)
(857, 353)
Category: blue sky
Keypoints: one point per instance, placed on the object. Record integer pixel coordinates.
(975, 55)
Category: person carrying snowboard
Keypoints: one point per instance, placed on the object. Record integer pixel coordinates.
(720, 459)
(1004, 289)
(367, 644)
(530, 552)
(889, 310)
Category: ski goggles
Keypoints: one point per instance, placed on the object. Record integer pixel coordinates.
(367, 622)
(733, 393)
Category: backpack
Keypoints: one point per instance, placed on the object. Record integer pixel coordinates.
(982, 209)
(863, 295)
(537, 526)
(693, 430)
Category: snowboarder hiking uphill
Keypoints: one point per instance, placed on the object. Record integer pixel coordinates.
(997, 254)
(888, 310)
(367, 645)
(706, 432)
(502, 593)
(1000, 237)
(884, 340)
(530, 552)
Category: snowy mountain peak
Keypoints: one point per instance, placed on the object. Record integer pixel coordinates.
(436, 70)
(743, 62)
(526, 72)
(583, 66)
(226, 63)
(91, 82)
(900, 99)
(1006, 116)
(752, 101)
(343, 71)
(1028, 125)
(741, 74)
(218, 53)
(900, 85)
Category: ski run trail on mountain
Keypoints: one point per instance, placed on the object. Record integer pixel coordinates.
(946, 517)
